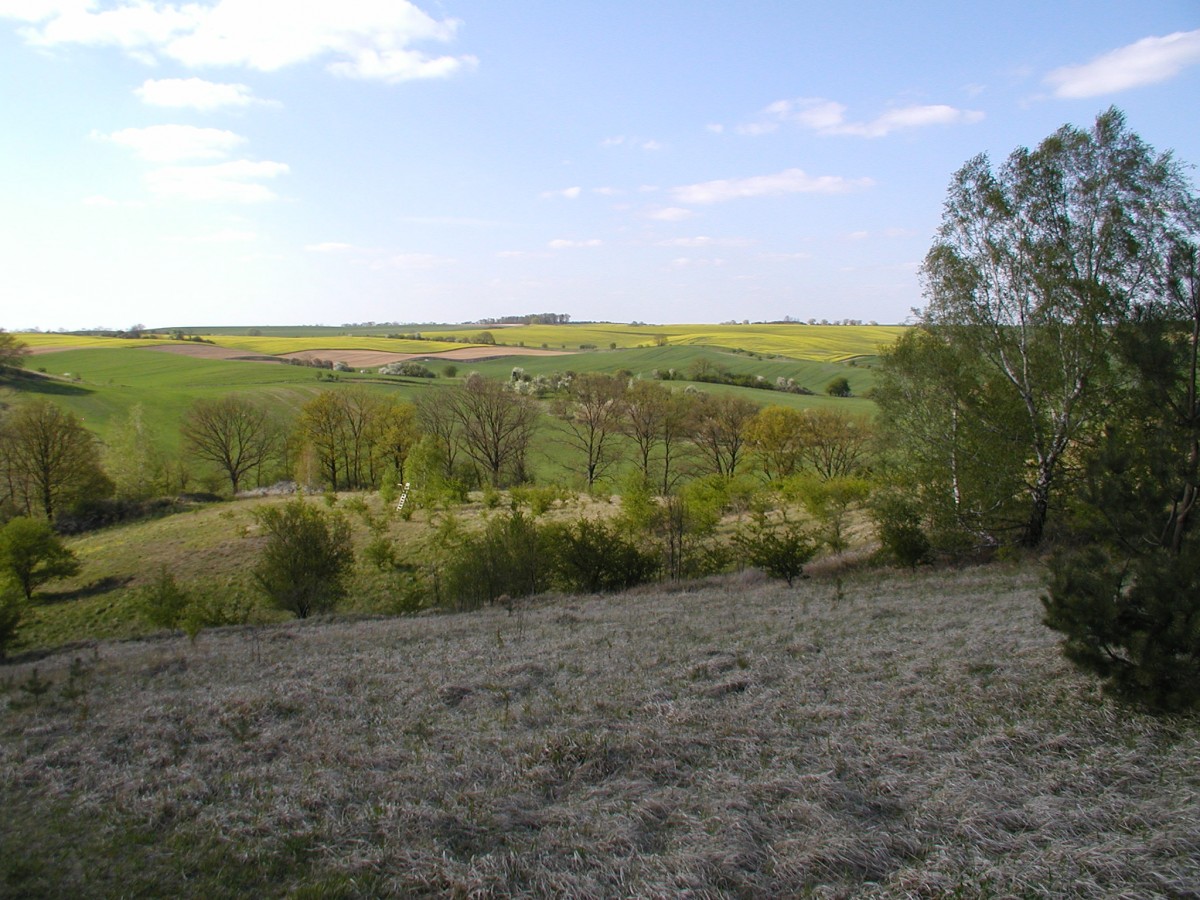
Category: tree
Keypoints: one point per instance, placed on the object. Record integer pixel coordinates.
(957, 475)
(1128, 600)
(323, 424)
(654, 417)
(495, 425)
(1035, 263)
(591, 420)
(838, 387)
(440, 430)
(32, 554)
(12, 351)
(720, 428)
(131, 459)
(48, 459)
(776, 437)
(834, 443)
(234, 433)
(392, 435)
(306, 559)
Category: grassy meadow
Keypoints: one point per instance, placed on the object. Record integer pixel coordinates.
(866, 735)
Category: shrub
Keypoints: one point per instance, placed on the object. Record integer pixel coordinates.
(12, 608)
(306, 559)
(508, 557)
(593, 557)
(778, 548)
(900, 533)
(164, 602)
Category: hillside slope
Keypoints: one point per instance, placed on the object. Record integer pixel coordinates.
(882, 735)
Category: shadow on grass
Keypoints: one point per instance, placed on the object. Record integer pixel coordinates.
(94, 589)
(36, 383)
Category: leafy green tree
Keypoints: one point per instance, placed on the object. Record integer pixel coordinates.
(958, 473)
(163, 602)
(132, 460)
(838, 387)
(32, 554)
(776, 437)
(1034, 264)
(12, 351)
(48, 459)
(306, 560)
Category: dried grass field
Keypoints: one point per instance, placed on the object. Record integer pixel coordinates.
(877, 735)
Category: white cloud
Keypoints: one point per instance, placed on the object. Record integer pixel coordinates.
(172, 143)
(789, 181)
(357, 38)
(828, 117)
(237, 181)
(1143, 62)
(571, 193)
(672, 214)
(637, 142)
(193, 93)
(704, 241)
(225, 236)
(412, 261)
(328, 247)
(563, 244)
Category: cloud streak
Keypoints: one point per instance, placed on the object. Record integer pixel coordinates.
(172, 143)
(828, 117)
(1148, 61)
(789, 181)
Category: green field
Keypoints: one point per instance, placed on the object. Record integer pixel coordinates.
(103, 384)
(816, 342)
(112, 375)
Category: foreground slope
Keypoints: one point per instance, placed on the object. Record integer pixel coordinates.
(902, 735)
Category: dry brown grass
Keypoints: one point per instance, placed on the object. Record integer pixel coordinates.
(890, 735)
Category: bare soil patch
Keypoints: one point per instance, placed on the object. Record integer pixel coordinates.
(901, 736)
(210, 351)
(372, 358)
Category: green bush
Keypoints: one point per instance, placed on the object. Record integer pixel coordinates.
(508, 557)
(164, 602)
(32, 554)
(12, 607)
(900, 533)
(1134, 623)
(591, 556)
(780, 549)
(307, 557)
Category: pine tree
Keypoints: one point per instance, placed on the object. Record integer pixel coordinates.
(1128, 602)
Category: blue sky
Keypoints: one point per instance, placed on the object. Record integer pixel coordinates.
(271, 162)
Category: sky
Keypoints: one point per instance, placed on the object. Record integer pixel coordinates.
(255, 162)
